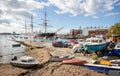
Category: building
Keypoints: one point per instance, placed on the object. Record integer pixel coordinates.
(116, 37)
(76, 33)
(98, 32)
(92, 31)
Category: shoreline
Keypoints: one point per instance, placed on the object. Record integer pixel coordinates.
(47, 68)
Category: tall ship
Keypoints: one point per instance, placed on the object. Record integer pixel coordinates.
(46, 35)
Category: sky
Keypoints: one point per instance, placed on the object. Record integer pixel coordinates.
(69, 14)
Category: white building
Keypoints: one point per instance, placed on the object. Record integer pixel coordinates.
(86, 30)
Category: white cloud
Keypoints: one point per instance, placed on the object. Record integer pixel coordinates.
(66, 6)
(84, 7)
(15, 10)
(23, 4)
(18, 8)
(89, 7)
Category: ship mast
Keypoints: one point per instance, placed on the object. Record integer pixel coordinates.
(45, 23)
(25, 26)
(31, 23)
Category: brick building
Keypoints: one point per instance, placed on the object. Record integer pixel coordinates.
(76, 33)
(98, 32)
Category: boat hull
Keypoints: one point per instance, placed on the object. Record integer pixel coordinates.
(74, 61)
(60, 58)
(101, 68)
(94, 48)
(115, 52)
(23, 65)
(45, 35)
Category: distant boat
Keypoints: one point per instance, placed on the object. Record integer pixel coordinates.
(94, 44)
(25, 62)
(24, 37)
(115, 65)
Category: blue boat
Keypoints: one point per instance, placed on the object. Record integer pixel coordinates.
(95, 44)
(102, 68)
(116, 50)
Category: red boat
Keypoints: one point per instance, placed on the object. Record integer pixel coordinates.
(74, 61)
(60, 58)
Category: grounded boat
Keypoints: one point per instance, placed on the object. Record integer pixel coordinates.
(104, 67)
(25, 62)
(60, 58)
(101, 68)
(81, 41)
(74, 61)
(95, 44)
(115, 51)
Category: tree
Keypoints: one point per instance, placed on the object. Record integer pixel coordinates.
(115, 29)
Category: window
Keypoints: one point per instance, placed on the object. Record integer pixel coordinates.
(24, 61)
(100, 41)
(16, 45)
(25, 37)
(88, 41)
(94, 40)
(31, 60)
(118, 46)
